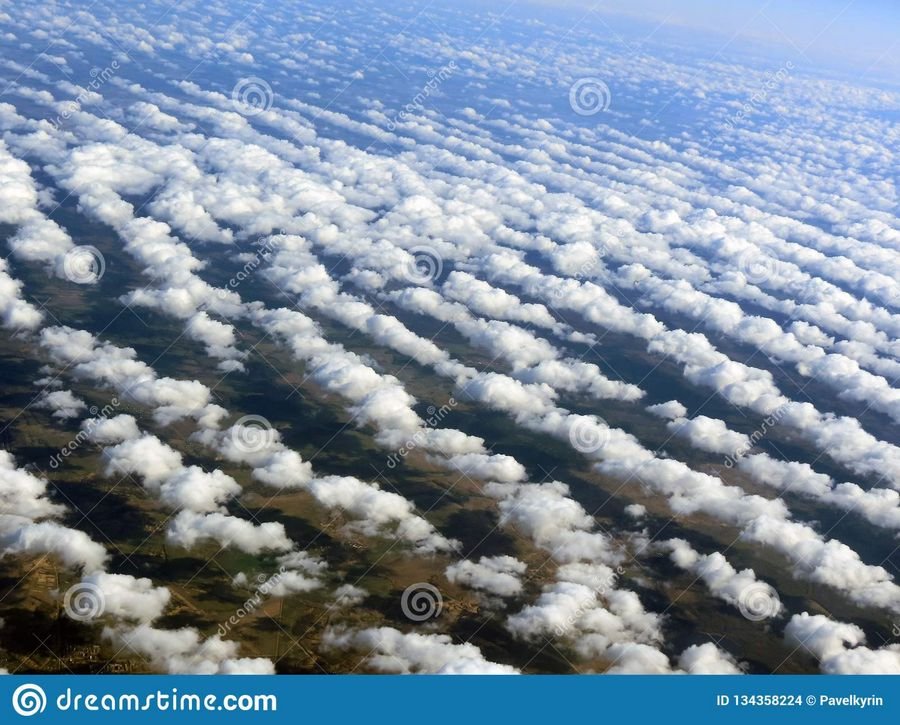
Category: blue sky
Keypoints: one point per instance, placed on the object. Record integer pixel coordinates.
(858, 33)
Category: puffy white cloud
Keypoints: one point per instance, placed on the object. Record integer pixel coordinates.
(284, 469)
(22, 493)
(183, 652)
(584, 607)
(37, 237)
(488, 466)
(194, 489)
(632, 658)
(63, 403)
(865, 661)
(373, 509)
(253, 441)
(23, 499)
(755, 599)
(389, 650)
(349, 595)
(128, 598)
(499, 575)
(189, 528)
(545, 513)
(709, 434)
(299, 571)
(827, 562)
(218, 338)
(19, 535)
(880, 506)
(839, 646)
(119, 368)
(671, 410)
(495, 303)
(821, 636)
(117, 429)
(707, 659)
(16, 313)
(146, 456)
